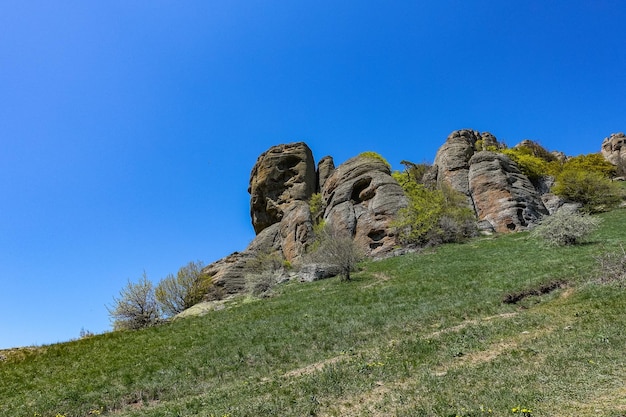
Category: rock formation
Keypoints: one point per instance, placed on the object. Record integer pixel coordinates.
(362, 198)
(452, 160)
(502, 197)
(282, 175)
(614, 148)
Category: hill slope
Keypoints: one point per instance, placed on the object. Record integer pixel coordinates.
(418, 335)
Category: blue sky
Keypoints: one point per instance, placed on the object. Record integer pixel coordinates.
(128, 129)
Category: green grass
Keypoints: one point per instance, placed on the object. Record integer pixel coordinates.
(418, 335)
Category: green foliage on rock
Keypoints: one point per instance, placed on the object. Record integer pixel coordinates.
(136, 306)
(375, 155)
(594, 162)
(565, 228)
(412, 171)
(176, 293)
(533, 160)
(532, 166)
(317, 205)
(432, 216)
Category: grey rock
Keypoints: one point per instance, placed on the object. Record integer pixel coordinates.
(362, 198)
(281, 175)
(502, 195)
(228, 274)
(296, 231)
(325, 168)
(489, 141)
(314, 272)
(614, 148)
(451, 164)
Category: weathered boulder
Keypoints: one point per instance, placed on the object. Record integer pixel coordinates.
(363, 198)
(489, 141)
(554, 203)
(451, 164)
(229, 273)
(295, 231)
(559, 156)
(314, 272)
(503, 195)
(614, 148)
(281, 175)
(325, 168)
(503, 198)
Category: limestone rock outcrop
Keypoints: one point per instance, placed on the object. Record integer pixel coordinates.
(614, 148)
(502, 197)
(451, 164)
(362, 198)
(325, 168)
(282, 175)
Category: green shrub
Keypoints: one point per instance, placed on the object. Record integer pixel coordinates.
(565, 228)
(532, 166)
(593, 190)
(177, 293)
(594, 162)
(414, 172)
(375, 155)
(432, 216)
(317, 206)
(136, 306)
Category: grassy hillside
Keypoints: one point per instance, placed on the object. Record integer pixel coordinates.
(418, 335)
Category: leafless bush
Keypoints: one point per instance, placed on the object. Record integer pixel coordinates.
(260, 284)
(612, 267)
(565, 228)
(176, 293)
(136, 306)
(337, 248)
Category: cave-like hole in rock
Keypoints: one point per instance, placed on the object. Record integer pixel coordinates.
(288, 162)
(375, 245)
(359, 185)
(510, 226)
(376, 235)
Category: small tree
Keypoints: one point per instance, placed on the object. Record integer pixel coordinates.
(336, 247)
(593, 190)
(136, 306)
(177, 293)
(565, 228)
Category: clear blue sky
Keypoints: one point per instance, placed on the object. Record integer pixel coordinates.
(128, 129)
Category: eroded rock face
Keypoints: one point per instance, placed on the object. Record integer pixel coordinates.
(614, 148)
(296, 231)
(502, 195)
(360, 195)
(451, 164)
(282, 175)
(363, 198)
(229, 273)
(325, 168)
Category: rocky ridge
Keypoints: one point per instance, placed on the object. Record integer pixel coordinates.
(361, 197)
(502, 197)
